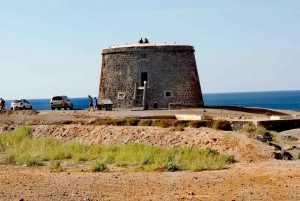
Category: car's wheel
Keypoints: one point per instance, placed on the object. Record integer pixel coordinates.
(65, 108)
(23, 108)
(71, 107)
(52, 108)
(59, 108)
(12, 108)
(30, 107)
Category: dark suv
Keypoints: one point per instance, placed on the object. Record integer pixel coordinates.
(61, 102)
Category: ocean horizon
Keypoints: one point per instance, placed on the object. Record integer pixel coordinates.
(282, 100)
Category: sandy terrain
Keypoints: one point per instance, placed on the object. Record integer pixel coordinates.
(270, 180)
(253, 177)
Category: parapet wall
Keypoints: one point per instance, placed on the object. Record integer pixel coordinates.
(276, 125)
(280, 125)
(272, 125)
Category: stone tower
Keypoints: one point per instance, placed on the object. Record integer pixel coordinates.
(150, 76)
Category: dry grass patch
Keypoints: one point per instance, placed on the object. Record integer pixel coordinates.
(222, 124)
(259, 130)
(20, 149)
(196, 124)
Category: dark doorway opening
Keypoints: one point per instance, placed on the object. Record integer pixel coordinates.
(144, 77)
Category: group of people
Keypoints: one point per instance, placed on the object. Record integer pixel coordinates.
(93, 104)
(141, 40)
(2, 104)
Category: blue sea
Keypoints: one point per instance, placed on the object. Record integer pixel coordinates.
(285, 100)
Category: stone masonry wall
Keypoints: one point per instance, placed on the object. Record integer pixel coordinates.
(171, 71)
(280, 125)
(118, 78)
(175, 72)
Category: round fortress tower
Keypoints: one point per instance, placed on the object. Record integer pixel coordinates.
(150, 75)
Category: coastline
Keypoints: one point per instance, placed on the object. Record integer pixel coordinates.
(274, 100)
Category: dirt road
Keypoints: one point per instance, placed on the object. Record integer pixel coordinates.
(269, 180)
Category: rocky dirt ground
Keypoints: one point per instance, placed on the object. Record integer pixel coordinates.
(255, 176)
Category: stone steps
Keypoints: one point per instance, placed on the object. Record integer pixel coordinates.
(137, 108)
(138, 105)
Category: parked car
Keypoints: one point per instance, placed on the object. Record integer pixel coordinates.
(21, 104)
(61, 102)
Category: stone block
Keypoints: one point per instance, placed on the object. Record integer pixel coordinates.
(281, 117)
(193, 117)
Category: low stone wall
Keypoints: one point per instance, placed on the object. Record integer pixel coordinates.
(273, 125)
(280, 125)
(277, 125)
(235, 125)
(238, 125)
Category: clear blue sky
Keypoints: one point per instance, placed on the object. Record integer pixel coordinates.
(54, 47)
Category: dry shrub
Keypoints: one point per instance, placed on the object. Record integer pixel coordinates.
(132, 121)
(196, 124)
(248, 128)
(164, 123)
(115, 122)
(112, 122)
(268, 114)
(145, 122)
(259, 130)
(98, 167)
(55, 166)
(222, 124)
(33, 123)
